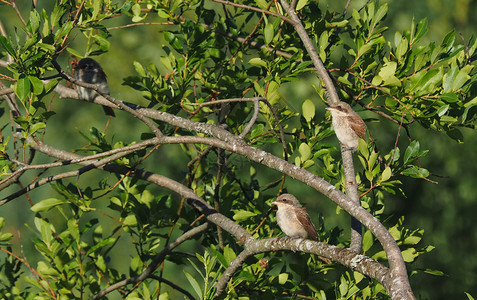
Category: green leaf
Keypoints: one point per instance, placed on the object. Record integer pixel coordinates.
(7, 46)
(37, 126)
(245, 276)
(356, 16)
(363, 49)
(449, 78)
(229, 254)
(172, 40)
(467, 108)
(387, 173)
(448, 41)
(5, 237)
(388, 70)
(409, 255)
(394, 231)
(343, 286)
(73, 229)
(195, 285)
(103, 243)
(425, 80)
(241, 215)
(136, 9)
(308, 163)
(273, 94)
(437, 273)
(411, 151)
(461, 77)
(45, 270)
(47, 204)
(130, 220)
(382, 11)
(269, 33)
(45, 230)
(263, 4)
(449, 97)
(442, 110)
(323, 44)
(305, 151)
(96, 7)
(22, 88)
(421, 30)
(257, 61)
(402, 47)
(37, 85)
(300, 4)
(412, 240)
(416, 172)
(363, 148)
(367, 240)
(308, 110)
(101, 263)
(282, 278)
(162, 13)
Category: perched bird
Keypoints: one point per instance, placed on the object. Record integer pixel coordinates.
(293, 219)
(349, 126)
(89, 71)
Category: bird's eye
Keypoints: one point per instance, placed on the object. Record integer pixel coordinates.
(285, 200)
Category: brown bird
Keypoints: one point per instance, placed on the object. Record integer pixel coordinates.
(348, 125)
(293, 219)
(89, 71)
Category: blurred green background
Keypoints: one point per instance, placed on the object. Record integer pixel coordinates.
(446, 211)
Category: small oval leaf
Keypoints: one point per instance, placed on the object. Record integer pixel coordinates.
(47, 204)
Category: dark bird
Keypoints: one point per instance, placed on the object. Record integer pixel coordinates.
(89, 71)
(293, 219)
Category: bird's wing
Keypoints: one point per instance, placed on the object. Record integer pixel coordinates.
(304, 219)
(358, 125)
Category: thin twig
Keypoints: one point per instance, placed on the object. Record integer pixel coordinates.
(255, 9)
(252, 120)
(154, 263)
(119, 103)
(173, 285)
(88, 167)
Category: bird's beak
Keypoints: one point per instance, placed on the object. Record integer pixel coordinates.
(331, 108)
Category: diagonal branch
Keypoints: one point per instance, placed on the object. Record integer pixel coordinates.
(154, 263)
(118, 103)
(236, 145)
(225, 140)
(322, 72)
(354, 261)
(254, 9)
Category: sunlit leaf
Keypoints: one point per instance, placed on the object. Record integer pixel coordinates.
(22, 87)
(47, 204)
(308, 110)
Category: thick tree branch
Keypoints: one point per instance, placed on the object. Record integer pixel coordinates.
(354, 261)
(332, 95)
(321, 71)
(352, 191)
(228, 141)
(234, 144)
